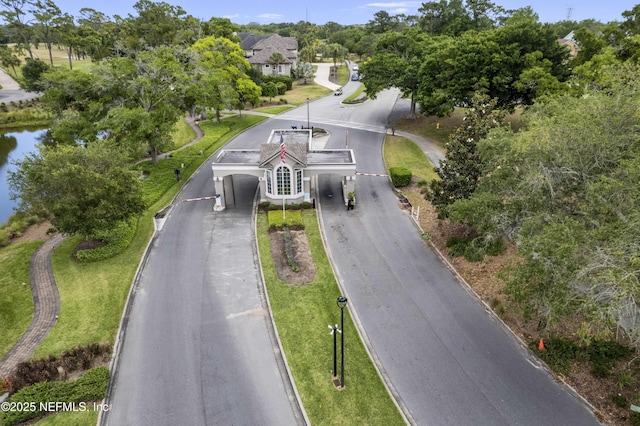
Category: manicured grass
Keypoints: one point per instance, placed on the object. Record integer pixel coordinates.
(182, 134)
(16, 300)
(355, 94)
(302, 314)
(70, 418)
(274, 109)
(401, 152)
(299, 94)
(344, 74)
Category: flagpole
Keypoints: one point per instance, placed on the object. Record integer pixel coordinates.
(283, 159)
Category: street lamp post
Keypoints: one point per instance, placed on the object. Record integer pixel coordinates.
(334, 330)
(342, 302)
(308, 114)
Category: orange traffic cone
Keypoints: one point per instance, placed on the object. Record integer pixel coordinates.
(541, 345)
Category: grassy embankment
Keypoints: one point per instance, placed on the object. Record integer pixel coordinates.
(302, 313)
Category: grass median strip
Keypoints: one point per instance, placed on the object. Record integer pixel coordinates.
(302, 314)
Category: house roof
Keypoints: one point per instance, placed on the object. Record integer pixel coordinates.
(262, 56)
(294, 150)
(248, 40)
(264, 48)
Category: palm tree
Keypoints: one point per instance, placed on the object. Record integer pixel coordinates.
(276, 59)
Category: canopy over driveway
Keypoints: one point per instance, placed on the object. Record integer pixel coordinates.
(285, 166)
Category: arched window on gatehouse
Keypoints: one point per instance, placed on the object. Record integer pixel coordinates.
(283, 180)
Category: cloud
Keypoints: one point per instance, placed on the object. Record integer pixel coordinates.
(269, 16)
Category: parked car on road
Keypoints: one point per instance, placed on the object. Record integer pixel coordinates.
(355, 76)
(355, 67)
(338, 91)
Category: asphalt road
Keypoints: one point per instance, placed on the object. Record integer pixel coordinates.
(198, 348)
(447, 360)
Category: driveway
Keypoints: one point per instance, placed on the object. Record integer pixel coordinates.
(11, 92)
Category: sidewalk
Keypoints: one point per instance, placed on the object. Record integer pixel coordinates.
(46, 303)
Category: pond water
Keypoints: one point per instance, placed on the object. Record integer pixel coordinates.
(14, 146)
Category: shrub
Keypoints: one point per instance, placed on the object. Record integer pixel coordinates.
(473, 252)
(92, 386)
(602, 354)
(496, 247)
(456, 246)
(559, 353)
(264, 206)
(117, 239)
(45, 369)
(620, 400)
(288, 250)
(400, 176)
(276, 79)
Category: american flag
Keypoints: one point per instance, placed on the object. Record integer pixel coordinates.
(282, 149)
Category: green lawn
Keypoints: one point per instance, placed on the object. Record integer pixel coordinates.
(299, 94)
(182, 134)
(302, 314)
(401, 152)
(274, 109)
(16, 300)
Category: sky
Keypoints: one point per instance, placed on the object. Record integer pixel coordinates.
(351, 12)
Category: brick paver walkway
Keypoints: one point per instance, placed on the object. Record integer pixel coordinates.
(46, 303)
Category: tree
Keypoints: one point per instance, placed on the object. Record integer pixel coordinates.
(396, 64)
(565, 189)
(8, 59)
(158, 24)
(248, 92)
(305, 70)
(336, 52)
(32, 72)
(149, 83)
(218, 66)
(491, 62)
(270, 90)
(460, 170)
(275, 60)
(81, 190)
(15, 16)
(48, 15)
(382, 22)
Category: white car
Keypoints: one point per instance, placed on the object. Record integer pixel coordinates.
(355, 67)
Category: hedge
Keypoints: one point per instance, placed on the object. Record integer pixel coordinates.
(400, 176)
(33, 400)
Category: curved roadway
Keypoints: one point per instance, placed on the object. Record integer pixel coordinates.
(198, 347)
(446, 359)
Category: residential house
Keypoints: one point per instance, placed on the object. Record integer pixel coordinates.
(571, 44)
(259, 52)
